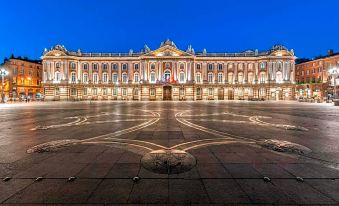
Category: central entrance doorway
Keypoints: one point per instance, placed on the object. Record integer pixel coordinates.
(167, 93)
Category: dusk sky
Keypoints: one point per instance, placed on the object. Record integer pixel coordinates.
(309, 27)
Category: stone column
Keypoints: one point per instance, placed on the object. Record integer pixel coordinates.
(204, 71)
(246, 72)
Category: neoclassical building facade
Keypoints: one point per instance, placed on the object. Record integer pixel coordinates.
(169, 73)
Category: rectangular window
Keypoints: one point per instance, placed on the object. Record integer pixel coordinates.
(73, 91)
(198, 78)
(182, 77)
(210, 91)
(124, 92)
(84, 91)
(181, 91)
(152, 77)
(152, 92)
(198, 91)
(115, 78)
(115, 91)
(104, 91)
(95, 91)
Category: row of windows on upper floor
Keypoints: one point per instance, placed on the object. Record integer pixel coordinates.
(211, 78)
(309, 71)
(210, 66)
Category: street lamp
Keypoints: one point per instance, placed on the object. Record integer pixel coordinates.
(3, 73)
(334, 72)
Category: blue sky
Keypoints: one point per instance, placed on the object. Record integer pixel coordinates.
(310, 27)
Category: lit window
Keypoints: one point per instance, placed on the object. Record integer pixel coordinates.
(115, 92)
(73, 77)
(57, 65)
(198, 78)
(124, 92)
(72, 65)
(95, 78)
(262, 77)
(104, 77)
(240, 77)
(220, 76)
(136, 77)
(85, 77)
(84, 91)
(104, 91)
(262, 65)
(181, 91)
(182, 77)
(124, 78)
(210, 77)
(210, 91)
(152, 92)
(152, 77)
(73, 91)
(95, 91)
(57, 76)
(114, 78)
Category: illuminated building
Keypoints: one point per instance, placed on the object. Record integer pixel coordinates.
(168, 73)
(312, 77)
(24, 78)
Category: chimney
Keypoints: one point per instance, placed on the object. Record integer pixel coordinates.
(330, 52)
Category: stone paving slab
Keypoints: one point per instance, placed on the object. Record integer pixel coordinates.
(224, 173)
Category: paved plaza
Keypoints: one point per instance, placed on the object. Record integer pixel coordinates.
(207, 152)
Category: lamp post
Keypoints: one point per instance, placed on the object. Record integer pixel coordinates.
(3, 73)
(334, 72)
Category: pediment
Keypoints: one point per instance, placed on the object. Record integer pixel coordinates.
(168, 51)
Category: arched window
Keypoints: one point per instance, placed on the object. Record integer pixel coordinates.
(198, 79)
(124, 67)
(95, 67)
(136, 77)
(167, 75)
(230, 78)
(95, 78)
(105, 67)
(262, 65)
(210, 77)
(240, 77)
(114, 67)
(182, 77)
(73, 66)
(152, 66)
(220, 76)
(73, 77)
(114, 78)
(85, 66)
(220, 67)
(85, 77)
(198, 67)
(57, 76)
(136, 67)
(182, 66)
(124, 78)
(104, 77)
(250, 77)
(279, 77)
(262, 77)
(210, 67)
(152, 77)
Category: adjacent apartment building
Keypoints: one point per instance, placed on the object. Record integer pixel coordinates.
(168, 73)
(313, 78)
(24, 79)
